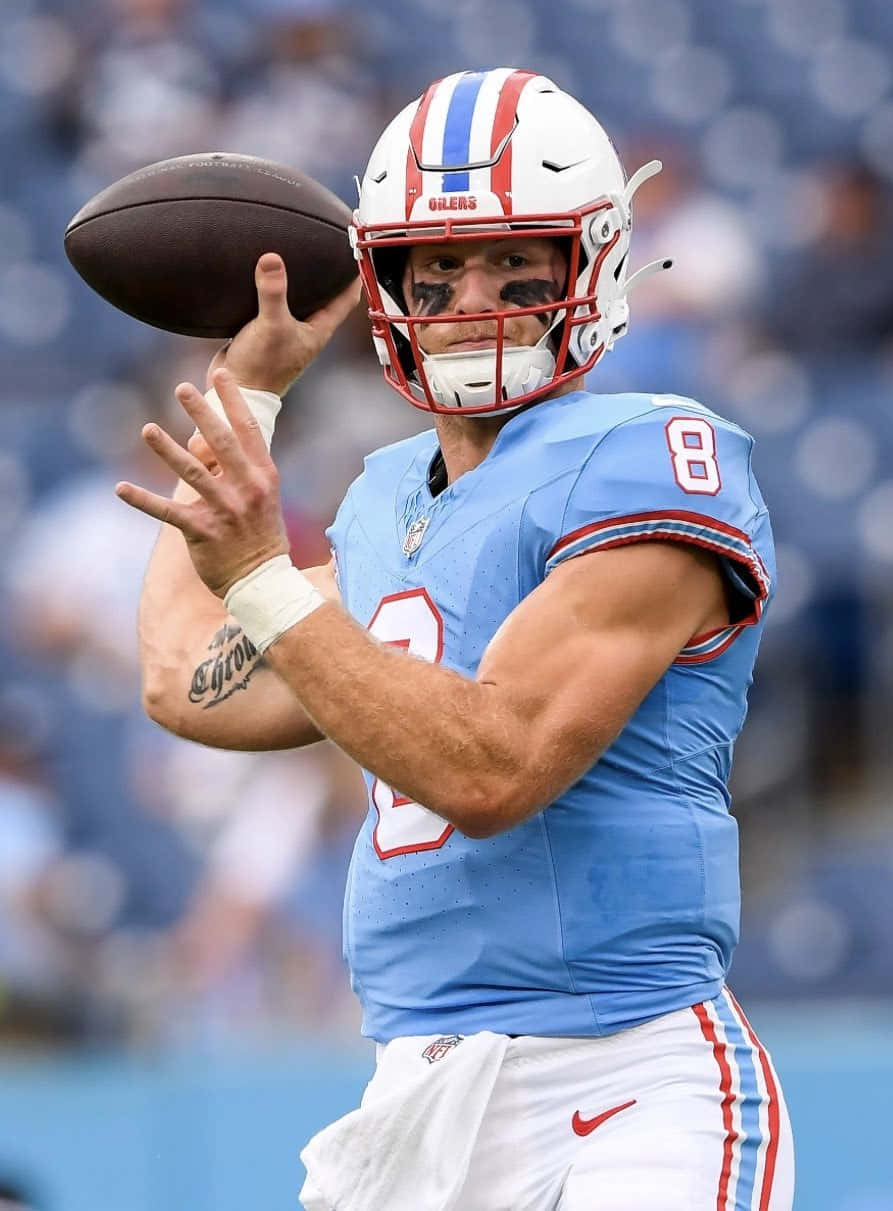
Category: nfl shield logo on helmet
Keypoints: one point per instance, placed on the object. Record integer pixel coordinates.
(414, 536)
(440, 1047)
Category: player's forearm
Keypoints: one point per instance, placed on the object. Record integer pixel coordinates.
(203, 679)
(441, 739)
(197, 664)
(178, 615)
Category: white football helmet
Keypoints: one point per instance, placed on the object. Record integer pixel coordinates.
(477, 155)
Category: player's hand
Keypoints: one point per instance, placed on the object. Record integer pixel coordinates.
(235, 523)
(273, 349)
(198, 446)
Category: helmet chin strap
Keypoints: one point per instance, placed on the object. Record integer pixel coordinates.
(467, 380)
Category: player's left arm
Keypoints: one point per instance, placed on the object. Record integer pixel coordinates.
(555, 687)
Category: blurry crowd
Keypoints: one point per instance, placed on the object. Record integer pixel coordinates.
(154, 891)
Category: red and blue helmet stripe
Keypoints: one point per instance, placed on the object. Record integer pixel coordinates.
(461, 122)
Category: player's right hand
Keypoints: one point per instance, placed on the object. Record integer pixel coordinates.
(274, 348)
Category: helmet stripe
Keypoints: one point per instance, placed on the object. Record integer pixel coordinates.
(435, 124)
(414, 155)
(482, 128)
(501, 173)
(457, 132)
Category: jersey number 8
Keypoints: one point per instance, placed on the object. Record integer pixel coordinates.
(692, 444)
(409, 620)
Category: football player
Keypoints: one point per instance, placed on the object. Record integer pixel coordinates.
(536, 636)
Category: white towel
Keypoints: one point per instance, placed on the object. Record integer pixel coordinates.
(408, 1146)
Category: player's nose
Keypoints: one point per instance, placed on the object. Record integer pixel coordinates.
(476, 291)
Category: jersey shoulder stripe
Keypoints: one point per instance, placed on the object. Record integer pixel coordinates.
(674, 525)
(711, 644)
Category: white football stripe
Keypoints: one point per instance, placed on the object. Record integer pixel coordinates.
(435, 127)
(482, 127)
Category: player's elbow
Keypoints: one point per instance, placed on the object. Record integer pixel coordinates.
(153, 696)
(162, 704)
(493, 806)
(157, 705)
(499, 802)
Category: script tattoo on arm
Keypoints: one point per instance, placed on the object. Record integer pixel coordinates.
(530, 292)
(233, 661)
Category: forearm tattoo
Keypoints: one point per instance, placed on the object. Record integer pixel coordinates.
(233, 662)
(530, 293)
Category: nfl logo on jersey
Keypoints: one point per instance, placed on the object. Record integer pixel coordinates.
(414, 536)
(440, 1047)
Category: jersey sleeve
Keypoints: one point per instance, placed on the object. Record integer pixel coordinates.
(677, 474)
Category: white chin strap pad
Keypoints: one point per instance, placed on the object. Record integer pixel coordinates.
(468, 380)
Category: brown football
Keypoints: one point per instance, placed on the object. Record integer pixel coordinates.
(175, 244)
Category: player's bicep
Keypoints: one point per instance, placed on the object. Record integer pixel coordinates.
(577, 656)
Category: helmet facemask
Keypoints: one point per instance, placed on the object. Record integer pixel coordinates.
(473, 382)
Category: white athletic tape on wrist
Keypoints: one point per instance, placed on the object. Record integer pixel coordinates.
(271, 599)
(264, 406)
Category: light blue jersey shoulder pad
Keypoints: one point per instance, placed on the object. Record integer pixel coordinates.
(672, 470)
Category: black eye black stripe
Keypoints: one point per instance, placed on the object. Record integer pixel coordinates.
(530, 292)
(433, 297)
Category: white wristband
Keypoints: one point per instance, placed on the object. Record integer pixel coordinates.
(264, 405)
(271, 599)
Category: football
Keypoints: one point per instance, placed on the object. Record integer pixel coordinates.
(175, 244)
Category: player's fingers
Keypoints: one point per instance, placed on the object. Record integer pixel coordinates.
(271, 281)
(240, 416)
(223, 442)
(198, 446)
(326, 319)
(186, 465)
(159, 507)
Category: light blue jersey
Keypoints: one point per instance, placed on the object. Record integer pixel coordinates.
(620, 901)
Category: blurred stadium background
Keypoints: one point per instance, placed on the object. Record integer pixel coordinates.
(174, 1015)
